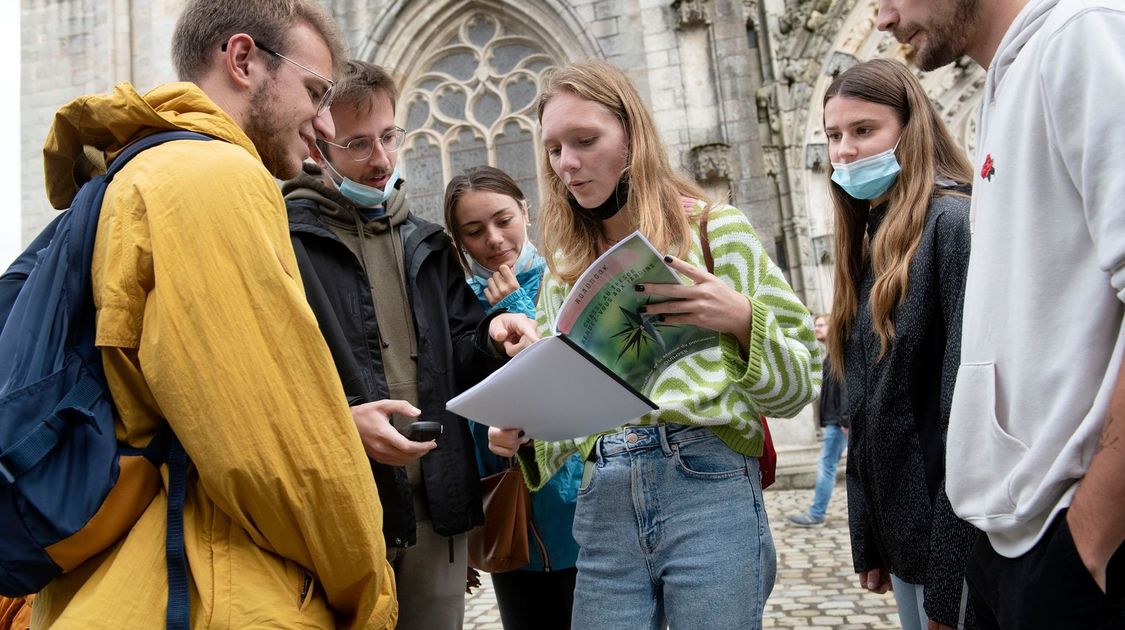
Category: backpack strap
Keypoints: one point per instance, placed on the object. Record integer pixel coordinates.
(165, 444)
(147, 142)
(178, 615)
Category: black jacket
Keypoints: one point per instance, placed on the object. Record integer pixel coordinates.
(899, 514)
(830, 407)
(454, 352)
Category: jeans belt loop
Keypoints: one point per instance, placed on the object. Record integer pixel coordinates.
(595, 452)
(662, 431)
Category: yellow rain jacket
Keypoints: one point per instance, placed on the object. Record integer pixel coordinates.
(202, 320)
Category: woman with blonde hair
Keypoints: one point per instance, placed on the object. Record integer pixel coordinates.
(670, 514)
(900, 189)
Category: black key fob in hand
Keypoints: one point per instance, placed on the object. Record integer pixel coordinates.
(423, 431)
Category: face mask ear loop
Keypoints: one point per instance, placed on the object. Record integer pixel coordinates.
(335, 183)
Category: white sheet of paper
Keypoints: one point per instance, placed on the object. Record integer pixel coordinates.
(551, 392)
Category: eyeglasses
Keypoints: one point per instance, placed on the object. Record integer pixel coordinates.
(324, 100)
(359, 149)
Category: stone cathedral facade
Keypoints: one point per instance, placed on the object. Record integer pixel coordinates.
(735, 86)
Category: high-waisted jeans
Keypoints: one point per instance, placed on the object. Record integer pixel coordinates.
(672, 529)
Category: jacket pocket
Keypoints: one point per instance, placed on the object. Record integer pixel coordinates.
(981, 456)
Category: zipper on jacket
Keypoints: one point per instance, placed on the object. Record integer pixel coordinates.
(539, 543)
(305, 588)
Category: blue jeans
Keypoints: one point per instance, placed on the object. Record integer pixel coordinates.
(834, 442)
(672, 530)
(910, 604)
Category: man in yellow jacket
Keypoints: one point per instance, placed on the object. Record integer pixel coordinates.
(203, 323)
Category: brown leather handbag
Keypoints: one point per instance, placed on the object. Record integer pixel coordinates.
(500, 544)
(15, 612)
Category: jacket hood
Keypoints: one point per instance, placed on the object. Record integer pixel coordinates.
(334, 206)
(1026, 25)
(91, 130)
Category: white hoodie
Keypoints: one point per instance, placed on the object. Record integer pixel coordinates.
(1044, 319)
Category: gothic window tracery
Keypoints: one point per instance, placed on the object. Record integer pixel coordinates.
(470, 103)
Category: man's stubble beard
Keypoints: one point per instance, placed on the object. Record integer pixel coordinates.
(264, 127)
(948, 40)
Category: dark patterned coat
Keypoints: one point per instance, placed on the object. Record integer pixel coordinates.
(900, 517)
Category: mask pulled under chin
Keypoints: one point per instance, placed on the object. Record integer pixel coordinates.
(525, 261)
(869, 178)
(609, 207)
(363, 195)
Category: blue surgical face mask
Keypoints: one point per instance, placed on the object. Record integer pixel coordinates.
(363, 195)
(527, 259)
(869, 178)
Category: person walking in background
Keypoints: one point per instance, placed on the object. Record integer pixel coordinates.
(899, 187)
(835, 424)
(1039, 407)
(670, 512)
(487, 216)
(406, 334)
(202, 323)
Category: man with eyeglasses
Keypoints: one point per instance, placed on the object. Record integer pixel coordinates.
(407, 335)
(202, 323)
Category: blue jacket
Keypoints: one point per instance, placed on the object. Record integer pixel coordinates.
(551, 543)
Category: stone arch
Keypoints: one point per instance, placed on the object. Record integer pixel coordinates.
(469, 72)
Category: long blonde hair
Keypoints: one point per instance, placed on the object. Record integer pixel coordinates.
(925, 152)
(654, 207)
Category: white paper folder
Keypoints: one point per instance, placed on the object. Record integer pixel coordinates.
(553, 390)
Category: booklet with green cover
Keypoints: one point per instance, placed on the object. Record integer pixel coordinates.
(601, 315)
(596, 372)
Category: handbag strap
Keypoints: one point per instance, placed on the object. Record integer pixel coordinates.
(705, 242)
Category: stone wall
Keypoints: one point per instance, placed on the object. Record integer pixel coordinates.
(688, 58)
(75, 47)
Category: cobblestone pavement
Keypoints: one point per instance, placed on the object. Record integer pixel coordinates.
(816, 588)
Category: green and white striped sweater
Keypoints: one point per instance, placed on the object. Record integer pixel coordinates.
(716, 387)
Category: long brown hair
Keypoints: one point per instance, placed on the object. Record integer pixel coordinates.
(570, 239)
(477, 178)
(926, 151)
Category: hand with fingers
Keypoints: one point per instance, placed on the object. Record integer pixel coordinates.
(501, 285)
(875, 580)
(512, 332)
(708, 302)
(381, 440)
(505, 442)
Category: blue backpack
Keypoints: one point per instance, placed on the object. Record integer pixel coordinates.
(60, 461)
